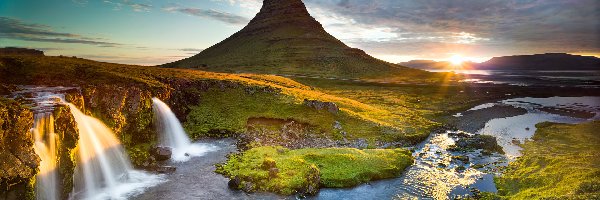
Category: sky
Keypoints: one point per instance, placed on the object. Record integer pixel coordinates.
(150, 32)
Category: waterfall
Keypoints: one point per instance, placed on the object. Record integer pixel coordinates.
(104, 170)
(46, 186)
(172, 135)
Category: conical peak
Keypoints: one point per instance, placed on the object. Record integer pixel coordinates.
(281, 4)
(282, 8)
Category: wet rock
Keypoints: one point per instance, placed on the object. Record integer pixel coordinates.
(248, 187)
(166, 169)
(486, 142)
(235, 182)
(161, 153)
(464, 159)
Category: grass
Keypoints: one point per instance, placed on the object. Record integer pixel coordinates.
(336, 167)
(560, 163)
(229, 111)
(363, 118)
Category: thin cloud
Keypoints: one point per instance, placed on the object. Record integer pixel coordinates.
(210, 14)
(137, 7)
(19, 30)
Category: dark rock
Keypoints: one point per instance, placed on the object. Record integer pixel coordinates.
(234, 183)
(248, 187)
(166, 169)
(161, 153)
(320, 105)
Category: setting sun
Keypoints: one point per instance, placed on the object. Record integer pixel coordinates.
(457, 60)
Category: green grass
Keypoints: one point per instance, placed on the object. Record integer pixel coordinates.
(561, 162)
(337, 167)
(230, 109)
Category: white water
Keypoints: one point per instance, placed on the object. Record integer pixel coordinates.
(46, 186)
(172, 135)
(103, 169)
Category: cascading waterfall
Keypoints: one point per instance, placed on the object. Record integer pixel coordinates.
(104, 170)
(45, 146)
(172, 135)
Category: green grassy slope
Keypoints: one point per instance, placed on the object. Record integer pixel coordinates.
(361, 119)
(561, 162)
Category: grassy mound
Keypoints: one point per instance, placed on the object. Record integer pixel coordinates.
(561, 163)
(284, 171)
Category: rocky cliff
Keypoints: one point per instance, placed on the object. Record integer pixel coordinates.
(18, 160)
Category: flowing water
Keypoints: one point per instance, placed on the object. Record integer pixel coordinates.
(103, 169)
(511, 131)
(46, 142)
(172, 135)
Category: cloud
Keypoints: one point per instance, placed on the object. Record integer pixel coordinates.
(137, 7)
(405, 27)
(210, 14)
(191, 49)
(19, 30)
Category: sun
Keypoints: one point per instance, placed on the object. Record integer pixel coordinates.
(457, 60)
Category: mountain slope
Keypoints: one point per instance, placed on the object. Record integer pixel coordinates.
(284, 39)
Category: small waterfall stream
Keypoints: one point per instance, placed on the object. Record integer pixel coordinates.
(172, 135)
(45, 146)
(104, 170)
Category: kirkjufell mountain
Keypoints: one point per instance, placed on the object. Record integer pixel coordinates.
(283, 38)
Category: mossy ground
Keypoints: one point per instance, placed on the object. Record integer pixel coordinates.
(229, 110)
(338, 167)
(561, 162)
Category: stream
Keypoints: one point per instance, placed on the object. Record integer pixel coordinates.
(439, 171)
(436, 174)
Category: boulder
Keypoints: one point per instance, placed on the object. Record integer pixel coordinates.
(235, 183)
(161, 153)
(320, 105)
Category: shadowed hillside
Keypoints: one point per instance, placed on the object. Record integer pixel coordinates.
(284, 39)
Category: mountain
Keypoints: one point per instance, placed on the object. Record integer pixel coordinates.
(547, 61)
(284, 39)
(435, 65)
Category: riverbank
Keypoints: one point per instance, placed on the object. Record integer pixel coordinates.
(560, 162)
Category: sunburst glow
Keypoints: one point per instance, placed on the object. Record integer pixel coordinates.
(457, 60)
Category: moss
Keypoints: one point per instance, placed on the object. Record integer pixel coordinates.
(336, 167)
(561, 162)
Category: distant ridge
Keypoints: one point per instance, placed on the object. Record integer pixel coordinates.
(284, 39)
(547, 61)
(5, 51)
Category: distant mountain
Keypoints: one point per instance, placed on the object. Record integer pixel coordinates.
(20, 51)
(435, 65)
(548, 61)
(284, 39)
